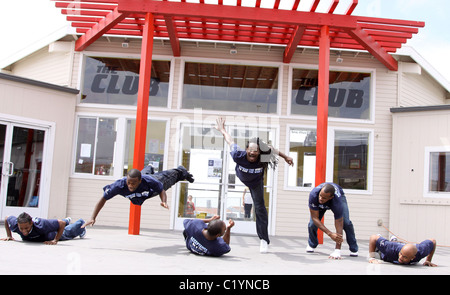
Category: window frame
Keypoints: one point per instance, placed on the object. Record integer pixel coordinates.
(75, 158)
(82, 67)
(371, 71)
(330, 157)
(277, 65)
(426, 187)
(370, 158)
(121, 136)
(287, 167)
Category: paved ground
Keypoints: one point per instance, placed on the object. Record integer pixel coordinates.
(112, 251)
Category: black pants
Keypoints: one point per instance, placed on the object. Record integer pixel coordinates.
(170, 177)
(262, 218)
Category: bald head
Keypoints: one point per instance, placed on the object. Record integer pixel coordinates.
(407, 253)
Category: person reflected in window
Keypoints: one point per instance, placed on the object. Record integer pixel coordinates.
(247, 202)
(190, 207)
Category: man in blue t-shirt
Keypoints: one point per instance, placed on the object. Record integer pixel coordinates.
(251, 164)
(204, 236)
(49, 231)
(400, 253)
(138, 187)
(330, 196)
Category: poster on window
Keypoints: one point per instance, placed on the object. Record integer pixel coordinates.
(214, 168)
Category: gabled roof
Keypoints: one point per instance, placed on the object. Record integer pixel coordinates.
(213, 20)
(31, 48)
(424, 64)
(37, 83)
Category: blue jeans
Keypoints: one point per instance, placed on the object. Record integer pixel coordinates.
(73, 230)
(348, 229)
(262, 218)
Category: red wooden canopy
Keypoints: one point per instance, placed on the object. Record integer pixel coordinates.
(178, 20)
(214, 20)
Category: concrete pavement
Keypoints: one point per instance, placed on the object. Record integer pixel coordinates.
(107, 250)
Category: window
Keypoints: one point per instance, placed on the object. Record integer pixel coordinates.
(302, 149)
(115, 81)
(227, 87)
(439, 172)
(351, 159)
(349, 96)
(154, 147)
(96, 142)
(348, 161)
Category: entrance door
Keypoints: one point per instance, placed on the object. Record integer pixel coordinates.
(217, 190)
(21, 156)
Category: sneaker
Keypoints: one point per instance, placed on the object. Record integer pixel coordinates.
(263, 247)
(190, 178)
(83, 234)
(309, 249)
(393, 239)
(185, 174)
(353, 254)
(67, 220)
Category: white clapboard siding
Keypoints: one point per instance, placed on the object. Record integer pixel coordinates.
(291, 214)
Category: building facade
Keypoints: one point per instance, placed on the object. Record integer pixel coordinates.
(258, 95)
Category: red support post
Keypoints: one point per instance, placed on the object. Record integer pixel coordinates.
(322, 109)
(142, 113)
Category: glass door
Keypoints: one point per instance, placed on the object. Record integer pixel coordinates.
(21, 156)
(201, 154)
(216, 190)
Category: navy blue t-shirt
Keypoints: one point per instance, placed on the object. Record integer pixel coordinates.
(389, 251)
(41, 231)
(335, 204)
(198, 244)
(251, 174)
(148, 188)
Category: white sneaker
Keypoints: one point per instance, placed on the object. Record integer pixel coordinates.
(393, 239)
(263, 247)
(68, 220)
(309, 249)
(354, 254)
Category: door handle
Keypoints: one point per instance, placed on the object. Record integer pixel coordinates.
(8, 169)
(11, 169)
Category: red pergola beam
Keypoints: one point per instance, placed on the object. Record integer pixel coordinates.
(174, 41)
(314, 5)
(374, 48)
(90, 1)
(333, 6)
(293, 43)
(295, 5)
(237, 13)
(352, 7)
(96, 13)
(388, 21)
(79, 6)
(99, 29)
